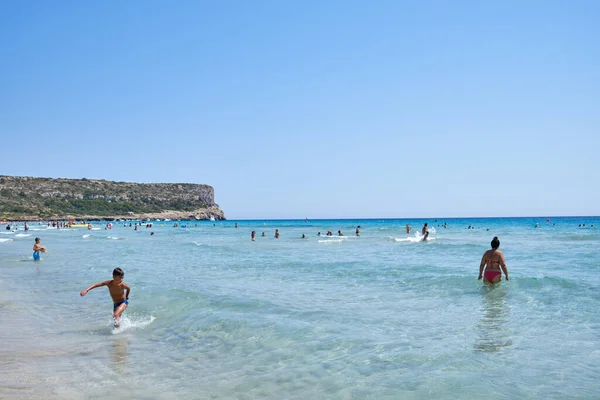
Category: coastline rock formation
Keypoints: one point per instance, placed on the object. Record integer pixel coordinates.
(28, 198)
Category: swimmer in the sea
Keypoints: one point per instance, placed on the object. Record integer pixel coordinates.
(493, 261)
(425, 232)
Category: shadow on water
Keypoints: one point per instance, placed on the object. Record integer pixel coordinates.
(493, 334)
(118, 353)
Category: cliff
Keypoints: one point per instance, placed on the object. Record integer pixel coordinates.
(47, 198)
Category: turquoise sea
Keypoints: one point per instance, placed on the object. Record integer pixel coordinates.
(213, 315)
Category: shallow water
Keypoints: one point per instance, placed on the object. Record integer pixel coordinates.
(381, 316)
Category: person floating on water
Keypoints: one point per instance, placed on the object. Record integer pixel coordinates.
(493, 261)
(119, 291)
(340, 233)
(425, 232)
(37, 249)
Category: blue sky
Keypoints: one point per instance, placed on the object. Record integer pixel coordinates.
(319, 109)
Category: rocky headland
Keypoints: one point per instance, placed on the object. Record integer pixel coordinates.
(29, 198)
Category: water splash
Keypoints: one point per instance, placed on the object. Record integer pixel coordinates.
(131, 323)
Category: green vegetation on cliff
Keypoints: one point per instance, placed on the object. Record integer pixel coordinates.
(47, 197)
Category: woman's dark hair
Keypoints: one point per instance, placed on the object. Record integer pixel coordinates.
(118, 272)
(495, 242)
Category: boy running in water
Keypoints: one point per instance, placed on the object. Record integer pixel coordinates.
(119, 291)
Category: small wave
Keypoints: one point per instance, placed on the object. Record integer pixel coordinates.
(411, 239)
(22, 234)
(113, 238)
(5, 240)
(337, 237)
(576, 238)
(549, 281)
(86, 236)
(96, 229)
(131, 323)
(407, 239)
(339, 240)
(201, 244)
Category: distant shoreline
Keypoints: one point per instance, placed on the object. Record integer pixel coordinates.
(202, 214)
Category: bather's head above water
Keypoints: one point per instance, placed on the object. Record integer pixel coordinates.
(495, 242)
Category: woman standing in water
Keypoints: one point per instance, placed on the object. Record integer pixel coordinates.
(493, 261)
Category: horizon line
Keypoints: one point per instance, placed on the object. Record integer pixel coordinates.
(409, 218)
